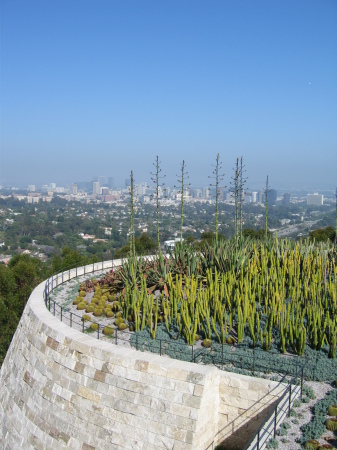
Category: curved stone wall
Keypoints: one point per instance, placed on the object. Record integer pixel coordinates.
(62, 389)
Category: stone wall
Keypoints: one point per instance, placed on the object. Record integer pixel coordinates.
(64, 389)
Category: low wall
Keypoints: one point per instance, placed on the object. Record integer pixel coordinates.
(64, 389)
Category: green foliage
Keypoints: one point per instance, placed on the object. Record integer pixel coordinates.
(144, 245)
(323, 234)
(17, 281)
(272, 444)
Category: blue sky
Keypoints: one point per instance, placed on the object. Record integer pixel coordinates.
(101, 87)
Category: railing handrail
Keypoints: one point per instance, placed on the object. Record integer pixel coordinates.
(195, 354)
(50, 281)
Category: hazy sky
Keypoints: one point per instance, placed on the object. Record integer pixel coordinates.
(100, 87)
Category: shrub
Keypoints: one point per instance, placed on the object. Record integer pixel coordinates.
(94, 326)
(297, 403)
(122, 326)
(82, 293)
(308, 392)
(272, 444)
(77, 300)
(230, 340)
(98, 312)
(90, 309)
(109, 313)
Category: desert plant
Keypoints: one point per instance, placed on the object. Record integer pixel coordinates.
(312, 444)
(108, 331)
(331, 424)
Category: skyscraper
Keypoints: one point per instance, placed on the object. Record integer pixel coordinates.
(95, 188)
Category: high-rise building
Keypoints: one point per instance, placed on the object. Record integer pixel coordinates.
(206, 193)
(31, 188)
(73, 189)
(286, 198)
(254, 197)
(260, 196)
(52, 186)
(272, 196)
(111, 182)
(102, 181)
(95, 188)
(315, 199)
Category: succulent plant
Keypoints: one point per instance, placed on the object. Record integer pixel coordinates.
(312, 444)
(81, 306)
(331, 424)
(86, 317)
(332, 411)
(206, 343)
(108, 331)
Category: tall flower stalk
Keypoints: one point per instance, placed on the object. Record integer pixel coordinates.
(217, 177)
(132, 224)
(156, 177)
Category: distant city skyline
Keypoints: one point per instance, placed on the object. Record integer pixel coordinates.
(103, 88)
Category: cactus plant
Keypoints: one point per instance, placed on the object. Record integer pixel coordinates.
(331, 424)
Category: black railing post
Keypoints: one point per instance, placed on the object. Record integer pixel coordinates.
(222, 355)
(136, 341)
(192, 354)
(49, 301)
(302, 374)
(275, 421)
(62, 277)
(71, 320)
(258, 440)
(160, 347)
(289, 398)
(254, 361)
(61, 313)
(54, 307)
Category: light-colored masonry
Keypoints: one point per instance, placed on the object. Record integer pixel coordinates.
(61, 389)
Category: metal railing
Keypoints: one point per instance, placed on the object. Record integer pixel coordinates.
(223, 356)
(275, 417)
(218, 355)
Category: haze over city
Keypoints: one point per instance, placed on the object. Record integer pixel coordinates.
(102, 88)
